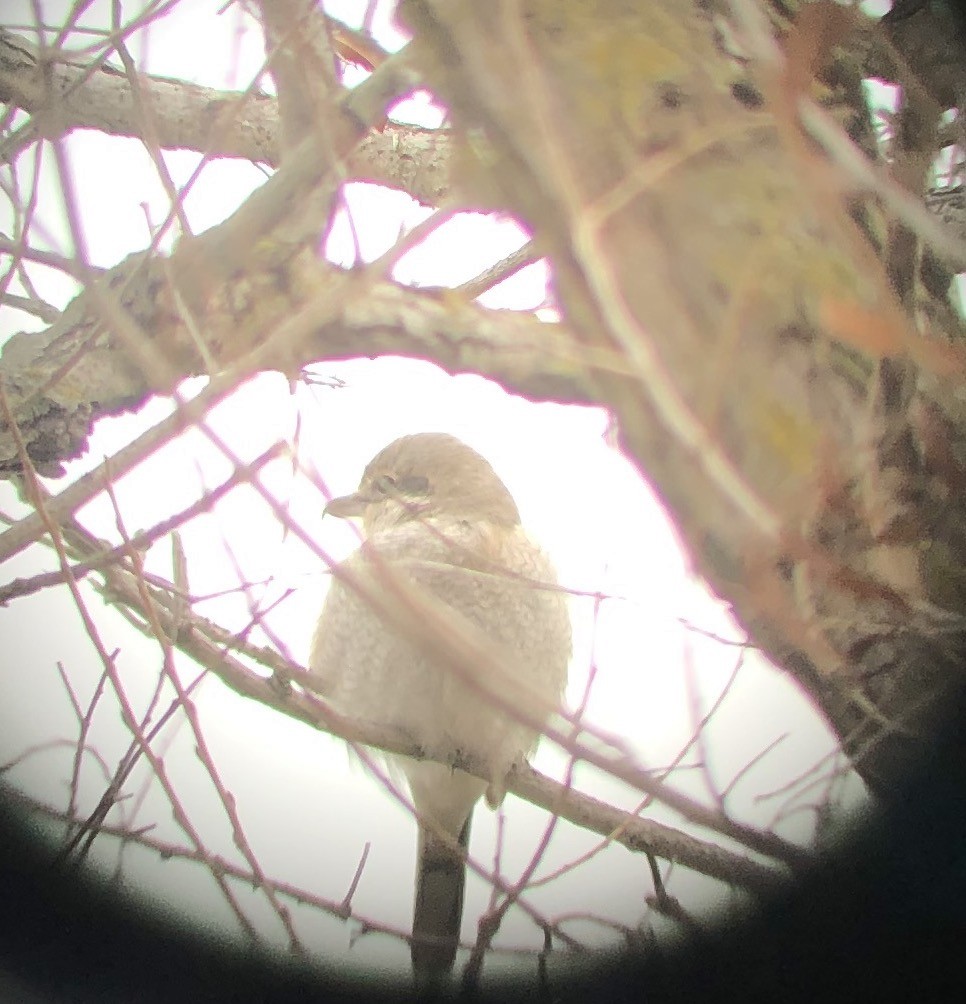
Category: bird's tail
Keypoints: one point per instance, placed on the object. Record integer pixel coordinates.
(440, 878)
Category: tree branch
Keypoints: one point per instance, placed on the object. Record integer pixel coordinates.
(216, 123)
(695, 230)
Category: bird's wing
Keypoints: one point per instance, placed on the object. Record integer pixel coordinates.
(346, 621)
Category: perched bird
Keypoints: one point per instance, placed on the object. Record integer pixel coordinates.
(440, 525)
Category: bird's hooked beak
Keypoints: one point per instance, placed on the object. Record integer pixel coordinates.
(347, 506)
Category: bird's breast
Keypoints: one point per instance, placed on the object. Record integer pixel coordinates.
(491, 583)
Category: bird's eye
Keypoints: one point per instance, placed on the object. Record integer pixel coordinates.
(386, 484)
(414, 486)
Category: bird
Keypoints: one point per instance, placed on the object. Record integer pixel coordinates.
(440, 524)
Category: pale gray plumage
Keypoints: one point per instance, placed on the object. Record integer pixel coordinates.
(437, 517)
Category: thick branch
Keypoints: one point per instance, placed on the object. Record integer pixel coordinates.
(213, 122)
(790, 413)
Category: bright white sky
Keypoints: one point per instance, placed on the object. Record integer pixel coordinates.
(308, 810)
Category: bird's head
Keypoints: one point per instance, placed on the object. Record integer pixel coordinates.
(423, 476)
